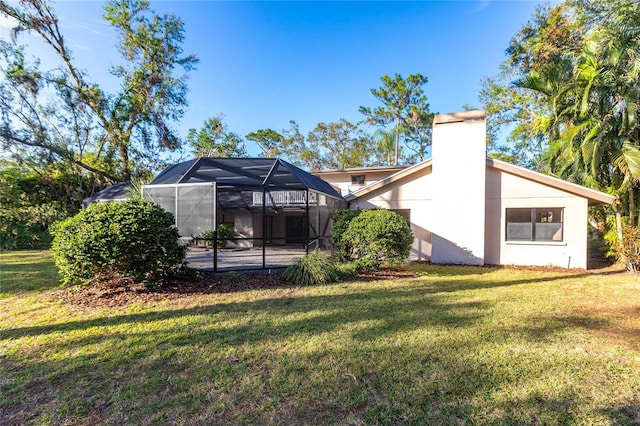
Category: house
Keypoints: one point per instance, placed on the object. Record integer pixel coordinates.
(465, 208)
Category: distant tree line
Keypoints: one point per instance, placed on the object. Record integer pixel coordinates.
(396, 132)
(65, 136)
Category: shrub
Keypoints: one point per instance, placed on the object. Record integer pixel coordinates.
(314, 268)
(235, 278)
(346, 269)
(365, 264)
(341, 220)
(379, 235)
(134, 240)
(629, 250)
(27, 227)
(226, 235)
(350, 269)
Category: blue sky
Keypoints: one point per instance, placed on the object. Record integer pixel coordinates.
(265, 63)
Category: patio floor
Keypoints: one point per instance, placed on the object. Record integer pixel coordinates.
(240, 259)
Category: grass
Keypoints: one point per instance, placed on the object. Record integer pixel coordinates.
(26, 271)
(455, 345)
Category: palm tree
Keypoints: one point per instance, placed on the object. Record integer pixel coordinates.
(592, 121)
(385, 144)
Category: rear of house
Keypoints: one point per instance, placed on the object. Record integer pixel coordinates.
(465, 208)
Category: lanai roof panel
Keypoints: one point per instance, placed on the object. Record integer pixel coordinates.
(244, 174)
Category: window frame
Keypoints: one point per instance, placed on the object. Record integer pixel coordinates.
(536, 214)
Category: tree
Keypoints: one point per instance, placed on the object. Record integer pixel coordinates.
(541, 48)
(576, 67)
(334, 145)
(31, 200)
(513, 109)
(405, 106)
(289, 144)
(62, 113)
(417, 130)
(385, 144)
(343, 144)
(270, 142)
(214, 140)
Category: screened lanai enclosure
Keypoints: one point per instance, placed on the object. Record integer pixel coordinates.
(277, 211)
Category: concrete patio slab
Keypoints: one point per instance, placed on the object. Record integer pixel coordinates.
(241, 259)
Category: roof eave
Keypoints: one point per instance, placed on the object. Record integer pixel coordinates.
(594, 197)
(371, 169)
(388, 180)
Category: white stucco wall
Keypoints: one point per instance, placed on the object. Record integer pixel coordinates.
(458, 180)
(414, 194)
(505, 190)
(343, 179)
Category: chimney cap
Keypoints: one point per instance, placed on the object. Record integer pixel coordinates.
(460, 117)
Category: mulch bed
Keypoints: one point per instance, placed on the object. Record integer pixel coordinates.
(116, 293)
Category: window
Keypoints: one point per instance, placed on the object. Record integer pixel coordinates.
(539, 224)
(227, 219)
(358, 179)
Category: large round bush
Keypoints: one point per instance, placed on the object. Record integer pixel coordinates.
(134, 240)
(341, 220)
(379, 235)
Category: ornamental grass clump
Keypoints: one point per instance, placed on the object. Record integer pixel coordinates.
(133, 241)
(312, 269)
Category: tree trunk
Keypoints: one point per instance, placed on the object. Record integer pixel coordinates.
(632, 206)
(616, 209)
(126, 168)
(397, 139)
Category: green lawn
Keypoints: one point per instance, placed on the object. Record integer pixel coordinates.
(455, 345)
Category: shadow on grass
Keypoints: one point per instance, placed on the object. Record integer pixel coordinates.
(156, 339)
(251, 362)
(606, 327)
(388, 305)
(625, 414)
(393, 307)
